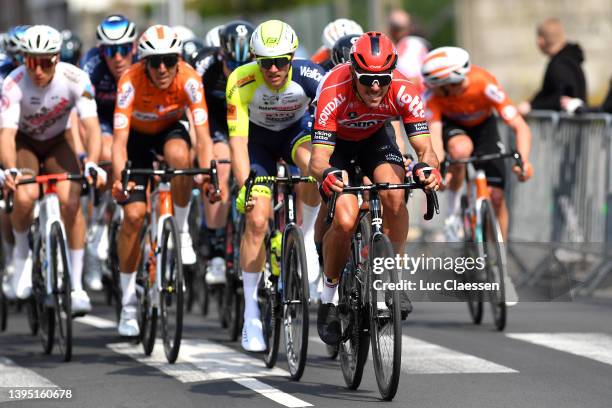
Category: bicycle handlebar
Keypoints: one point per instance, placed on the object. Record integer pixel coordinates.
(253, 179)
(483, 158)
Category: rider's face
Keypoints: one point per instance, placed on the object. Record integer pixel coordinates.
(162, 70)
(275, 76)
(372, 95)
(120, 60)
(449, 90)
(41, 68)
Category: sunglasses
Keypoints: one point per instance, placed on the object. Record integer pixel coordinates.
(44, 62)
(122, 49)
(280, 62)
(372, 79)
(169, 61)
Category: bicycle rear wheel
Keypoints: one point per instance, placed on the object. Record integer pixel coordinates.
(295, 301)
(233, 299)
(113, 286)
(473, 298)
(62, 289)
(270, 306)
(43, 302)
(171, 289)
(495, 264)
(385, 321)
(145, 283)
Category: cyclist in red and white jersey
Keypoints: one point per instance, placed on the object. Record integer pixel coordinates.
(37, 99)
(354, 102)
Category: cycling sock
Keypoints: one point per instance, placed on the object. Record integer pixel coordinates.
(76, 263)
(181, 215)
(22, 245)
(330, 288)
(309, 218)
(454, 201)
(128, 288)
(250, 281)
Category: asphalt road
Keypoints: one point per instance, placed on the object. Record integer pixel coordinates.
(551, 355)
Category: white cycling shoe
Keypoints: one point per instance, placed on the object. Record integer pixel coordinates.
(187, 253)
(80, 302)
(453, 230)
(252, 336)
(215, 272)
(93, 270)
(128, 324)
(512, 297)
(22, 276)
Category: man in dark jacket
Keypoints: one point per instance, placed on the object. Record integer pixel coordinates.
(564, 85)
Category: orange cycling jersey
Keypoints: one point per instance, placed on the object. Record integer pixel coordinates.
(321, 55)
(475, 104)
(150, 110)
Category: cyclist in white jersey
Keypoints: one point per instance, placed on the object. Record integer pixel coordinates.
(35, 114)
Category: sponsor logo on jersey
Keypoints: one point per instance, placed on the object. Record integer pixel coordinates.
(45, 115)
(120, 121)
(245, 81)
(509, 112)
(415, 106)
(194, 90)
(494, 93)
(310, 72)
(88, 92)
(421, 127)
(125, 95)
(199, 116)
(323, 135)
(5, 102)
(71, 74)
(330, 108)
(231, 112)
(12, 81)
(361, 124)
(146, 116)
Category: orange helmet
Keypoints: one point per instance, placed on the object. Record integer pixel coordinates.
(445, 65)
(373, 52)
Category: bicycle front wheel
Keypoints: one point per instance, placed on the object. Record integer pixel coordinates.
(147, 311)
(113, 287)
(43, 302)
(295, 301)
(62, 288)
(495, 263)
(385, 321)
(171, 289)
(473, 298)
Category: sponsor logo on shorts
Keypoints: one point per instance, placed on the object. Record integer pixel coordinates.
(393, 158)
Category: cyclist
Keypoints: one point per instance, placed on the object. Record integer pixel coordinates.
(105, 63)
(71, 48)
(214, 68)
(268, 119)
(12, 44)
(151, 99)
(37, 100)
(212, 37)
(331, 33)
(354, 102)
(460, 104)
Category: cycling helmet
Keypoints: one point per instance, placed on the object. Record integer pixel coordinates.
(373, 52)
(212, 37)
(235, 38)
(273, 38)
(341, 52)
(116, 29)
(184, 33)
(159, 40)
(71, 47)
(338, 28)
(13, 39)
(41, 39)
(445, 65)
(191, 48)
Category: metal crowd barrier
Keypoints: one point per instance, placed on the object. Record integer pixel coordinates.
(567, 203)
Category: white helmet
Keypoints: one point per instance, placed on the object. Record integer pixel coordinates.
(339, 28)
(445, 65)
(159, 40)
(116, 29)
(184, 33)
(212, 38)
(41, 39)
(273, 38)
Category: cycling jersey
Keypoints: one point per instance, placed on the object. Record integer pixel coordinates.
(149, 110)
(105, 86)
(210, 68)
(323, 57)
(475, 104)
(250, 99)
(43, 113)
(6, 66)
(341, 113)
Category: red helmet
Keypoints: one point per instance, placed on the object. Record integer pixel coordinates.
(373, 52)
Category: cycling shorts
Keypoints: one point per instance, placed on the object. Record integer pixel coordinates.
(55, 154)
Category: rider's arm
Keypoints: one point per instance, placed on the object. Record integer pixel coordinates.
(319, 160)
(435, 130)
(10, 113)
(199, 115)
(88, 113)
(119, 151)
(121, 125)
(93, 138)
(238, 127)
(8, 153)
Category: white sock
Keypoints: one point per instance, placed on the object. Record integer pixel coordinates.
(76, 274)
(329, 294)
(250, 281)
(453, 201)
(181, 214)
(22, 245)
(128, 288)
(309, 218)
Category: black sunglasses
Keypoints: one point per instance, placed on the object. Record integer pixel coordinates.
(123, 49)
(169, 61)
(280, 62)
(371, 79)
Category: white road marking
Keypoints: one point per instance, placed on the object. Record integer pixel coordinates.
(96, 322)
(596, 346)
(272, 393)
(14, 376)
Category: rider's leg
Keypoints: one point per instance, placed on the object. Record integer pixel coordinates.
(458, 147)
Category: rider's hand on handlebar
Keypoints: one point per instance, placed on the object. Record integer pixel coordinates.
(334, 180)
(429, 177)
(101, 174)
(11, 177)
(526, 173)
(118, 193)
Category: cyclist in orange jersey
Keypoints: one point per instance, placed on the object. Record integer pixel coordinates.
(152, 97)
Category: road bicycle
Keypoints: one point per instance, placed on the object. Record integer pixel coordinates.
(483, 238)
(160, 284)
(368, 315)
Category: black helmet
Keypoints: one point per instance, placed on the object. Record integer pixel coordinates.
(235, 38)
(342, 48)
(71, 48)
(191, 48)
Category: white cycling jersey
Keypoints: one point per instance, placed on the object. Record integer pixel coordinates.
(43, 113)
